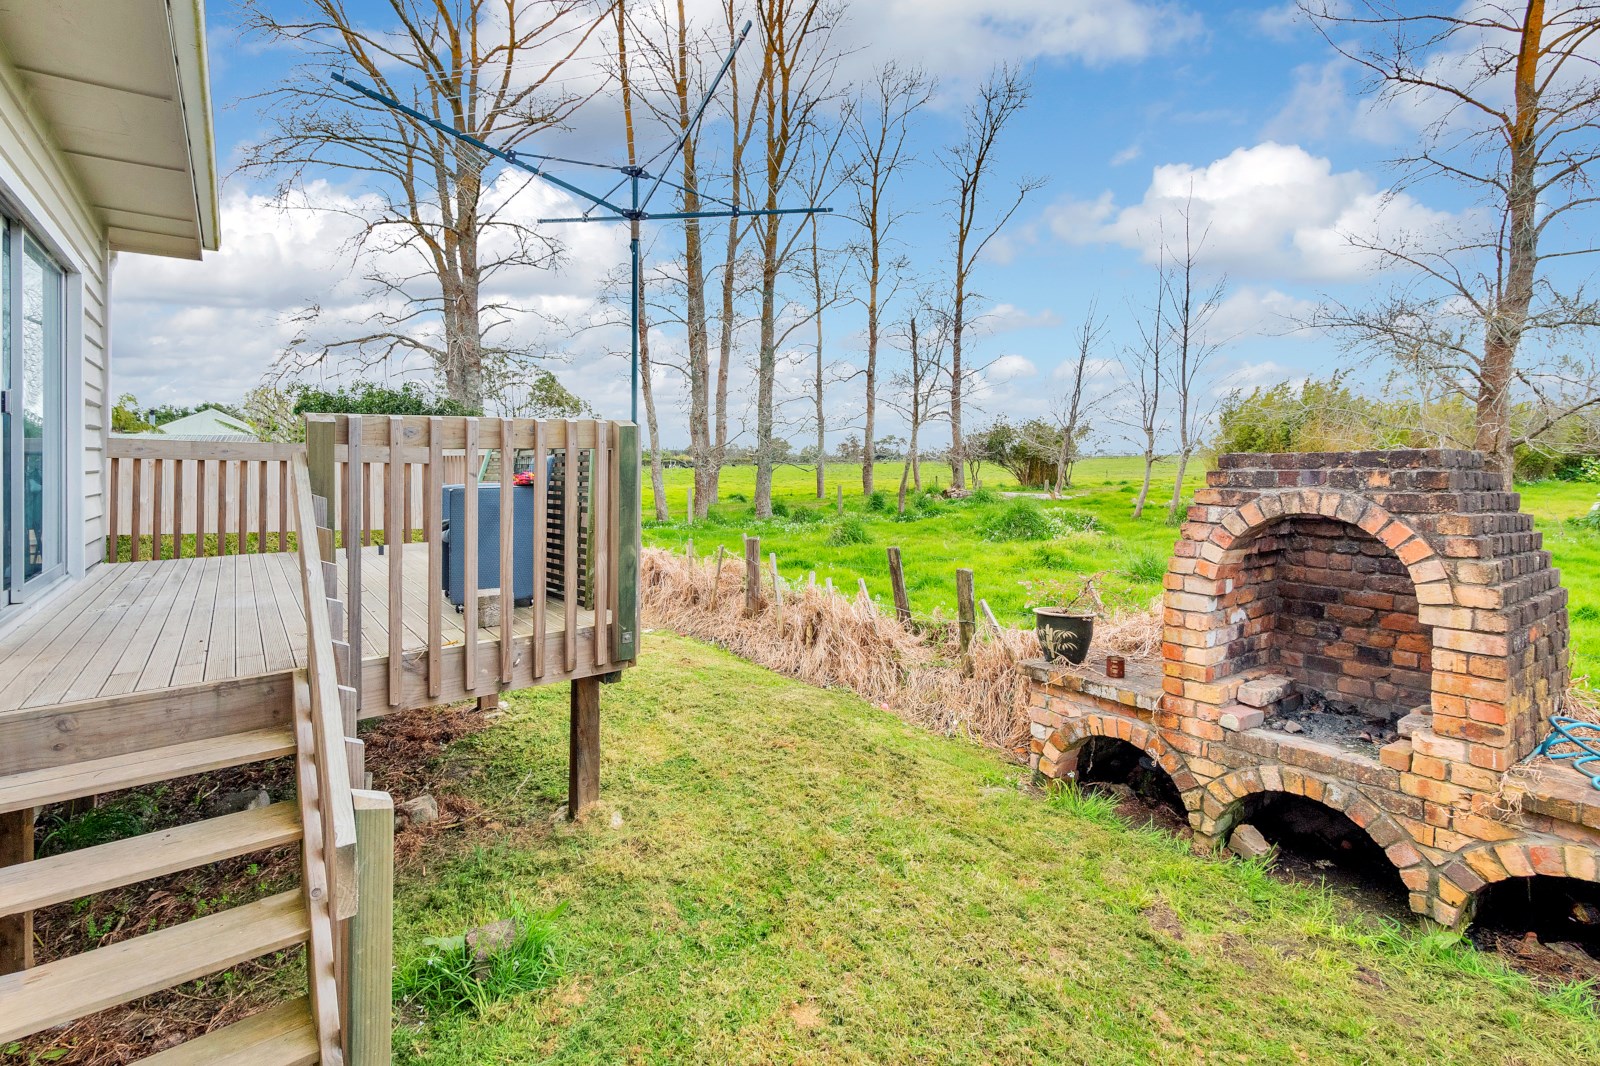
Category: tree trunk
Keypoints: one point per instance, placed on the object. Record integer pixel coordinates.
(767, 369)
(1144, 487)
(1503, 333)
(870, 428)
(657, 477)
(958, 474)
(694, 280)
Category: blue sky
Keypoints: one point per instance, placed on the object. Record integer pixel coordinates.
(1134, 102)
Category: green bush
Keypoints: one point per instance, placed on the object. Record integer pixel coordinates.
(927, 503)
(1147, 564)
(1021, 520)
(803, 516)
(451, 978)
(878, 500)
(849, 530)
(985, 495)
(1076, 521)
(780, 509)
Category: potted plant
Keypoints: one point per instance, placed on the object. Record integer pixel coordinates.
(1065, 629)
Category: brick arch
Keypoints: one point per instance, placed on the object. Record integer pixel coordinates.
(1487, 864)
(1221, 801)
(1060, 750)
(1232, 529)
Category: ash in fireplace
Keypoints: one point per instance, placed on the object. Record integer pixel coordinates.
(1348, 725)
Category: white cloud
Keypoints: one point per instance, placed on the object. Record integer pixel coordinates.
(1004, 317)
(1319, 104)
(1011, 367)
(1269, 211)
(1127, 155)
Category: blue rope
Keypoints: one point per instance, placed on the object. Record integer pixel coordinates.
(1585, 750)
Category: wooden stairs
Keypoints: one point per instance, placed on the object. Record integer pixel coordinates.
(344, 1013)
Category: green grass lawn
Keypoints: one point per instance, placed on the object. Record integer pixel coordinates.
(799, 877)
(937, 540)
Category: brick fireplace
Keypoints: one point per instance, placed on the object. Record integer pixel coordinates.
(1380, 633)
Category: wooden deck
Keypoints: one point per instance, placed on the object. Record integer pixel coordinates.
(142, 627)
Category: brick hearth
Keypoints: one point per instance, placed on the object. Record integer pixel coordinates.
(1403, 591)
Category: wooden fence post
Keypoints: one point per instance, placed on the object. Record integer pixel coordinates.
(839, 499)
(752, 575)
(966, 611)
(897, 581)
(371, 968)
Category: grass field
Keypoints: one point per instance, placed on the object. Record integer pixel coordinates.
(944, 535)
(787, 874)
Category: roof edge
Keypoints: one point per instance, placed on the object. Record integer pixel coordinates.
(186, 20)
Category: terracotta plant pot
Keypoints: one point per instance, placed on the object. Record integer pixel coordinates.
(1063, 634)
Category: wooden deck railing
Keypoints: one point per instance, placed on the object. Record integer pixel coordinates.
(173, 499)
(582, 548)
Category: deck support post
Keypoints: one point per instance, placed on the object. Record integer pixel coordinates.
(371, 946)
(16, 930)
(583, 761)
(489, 701)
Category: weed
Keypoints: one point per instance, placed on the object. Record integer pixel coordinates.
(1146, 564)
(1097, 807)
(1574, 999)
(118, 820)
(984, 494)
(451, 978)
(1021, 520)
(1076, 521)
(848, 530)
(878, 501)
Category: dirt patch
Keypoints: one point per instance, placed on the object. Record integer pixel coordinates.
(402, 752)
(1555, 963)
(1163, 919)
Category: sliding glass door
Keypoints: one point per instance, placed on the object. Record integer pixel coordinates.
(32, 443)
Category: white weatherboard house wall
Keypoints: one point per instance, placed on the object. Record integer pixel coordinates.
(105, 147)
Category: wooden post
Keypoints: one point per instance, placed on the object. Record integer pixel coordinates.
(716, 577)
(688, 507)
(897, 582)
(752, 575)
(839, 499)
(583, 758)
(625, 444)
(966, 617)
(16, 930)
(861, 583)
(966, 610)
(371, 955)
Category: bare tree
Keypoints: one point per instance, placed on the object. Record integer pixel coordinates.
(431, 235)
(878, 125)
(824, 276)
(1075, 406)
(1193, 304)
(919, 390)
(970, 162)
(797, 67)
(646, 385)
(666, 41)
(1143, 372)
(1515, 105)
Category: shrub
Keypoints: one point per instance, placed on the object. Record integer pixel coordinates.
(849, 530)
(927, 503)
(1147, 564)
(451, 978)
(1076, 521)
(1021, 520)
(1590, 519)
(805, 516)
(984, 494)
(878, 500)
(780, 509)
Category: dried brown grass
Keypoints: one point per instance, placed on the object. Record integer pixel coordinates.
(832, 639)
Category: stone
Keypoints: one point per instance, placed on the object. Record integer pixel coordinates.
(489, 607)
(417, 811)
(616, 819)
(250, 799)
(1247, 842)
(1241, 719)
(1411, 724)
(486, 941)
(1265, 691)
(1293, 727)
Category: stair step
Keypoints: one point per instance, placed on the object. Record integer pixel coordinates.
(97, 776)
(31, 885)
(61, 991)
(282, 1036)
